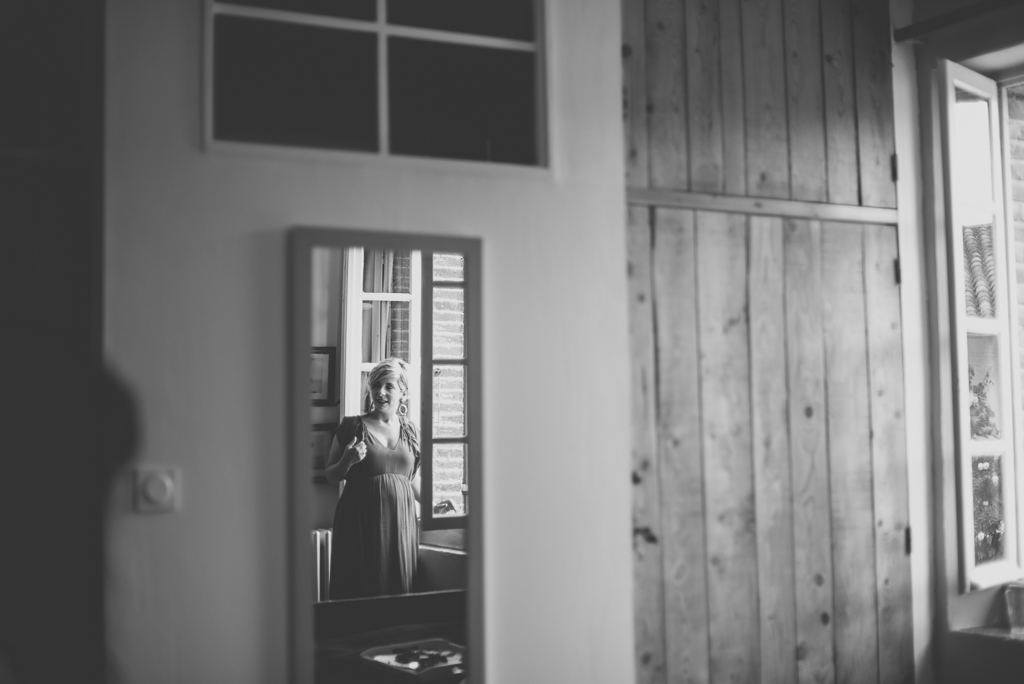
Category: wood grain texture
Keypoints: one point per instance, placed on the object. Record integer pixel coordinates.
(760, 206)
(840, 105)
(770, 450)
(681, 468)
(805, 99)
(764, 92)
(812, 514)
(725, 440)
(634, 93)
(704, 96)
(734, 148)
(648, 592)
(876, 141)
(888, 453)
(849, 425)
(666, 95)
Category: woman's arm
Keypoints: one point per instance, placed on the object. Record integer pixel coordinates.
(416, 486)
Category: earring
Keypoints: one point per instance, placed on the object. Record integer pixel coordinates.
(402, 410)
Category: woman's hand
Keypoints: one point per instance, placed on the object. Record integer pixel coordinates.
(355, 451)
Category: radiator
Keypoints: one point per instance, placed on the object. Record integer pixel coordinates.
(322, 564)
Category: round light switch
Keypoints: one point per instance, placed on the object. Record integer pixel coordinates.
(158, 489)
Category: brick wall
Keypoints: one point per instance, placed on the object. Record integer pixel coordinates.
(401, 280)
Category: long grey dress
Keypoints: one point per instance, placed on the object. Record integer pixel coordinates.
(375, 542)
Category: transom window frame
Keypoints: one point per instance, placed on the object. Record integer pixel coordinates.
(1003, 327)
(544, 167)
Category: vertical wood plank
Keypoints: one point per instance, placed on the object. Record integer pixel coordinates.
(770, 442)
(666, 95)
(851, 490)
(648, 590)
(634, 93)
(812, 514)
(805, 101)
(704, 96)
(725, 440)
(840, 108)
(876, 141)
(888, 452)
(764, 81)
(734, 135)
(681, 470)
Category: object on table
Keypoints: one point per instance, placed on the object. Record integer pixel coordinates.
(421, 661)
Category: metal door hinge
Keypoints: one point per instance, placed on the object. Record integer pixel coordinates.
(907, 534)
(896, 271)
(895, 168)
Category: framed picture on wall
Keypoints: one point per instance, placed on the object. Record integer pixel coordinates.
(319, 447)
(323, 376)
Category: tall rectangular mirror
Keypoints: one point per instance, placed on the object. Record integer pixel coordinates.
(385, 457)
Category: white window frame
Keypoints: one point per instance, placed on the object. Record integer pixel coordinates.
(383, 30)
(1003, 328)
(352, 334)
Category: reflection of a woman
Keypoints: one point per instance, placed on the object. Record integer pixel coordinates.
(375, 541)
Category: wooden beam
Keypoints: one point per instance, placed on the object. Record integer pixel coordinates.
(844, 213)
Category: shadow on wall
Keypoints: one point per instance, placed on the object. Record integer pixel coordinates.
(68, 425)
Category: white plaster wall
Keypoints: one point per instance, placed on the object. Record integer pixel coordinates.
(195, 321)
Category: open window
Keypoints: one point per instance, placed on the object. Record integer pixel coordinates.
(985, 338)
(412, 305)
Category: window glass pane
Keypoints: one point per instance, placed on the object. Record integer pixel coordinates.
(288, 84)
(385, 331)
(450, 483)
(986, 386)
(462, 102)
(449, 266)
(1015, 125)
(449, 323)
(979, 271)
(972, 153)
(989, 514)
(346, 9)
(449, 419)
(498, 18)
(385, 270)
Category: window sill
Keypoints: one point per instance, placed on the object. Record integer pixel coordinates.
(995, 574)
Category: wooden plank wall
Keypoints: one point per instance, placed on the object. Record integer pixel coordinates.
(769, 466)
(788, 99)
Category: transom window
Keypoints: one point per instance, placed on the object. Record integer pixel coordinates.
(454, 79)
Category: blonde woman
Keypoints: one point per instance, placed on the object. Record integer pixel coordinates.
(376, 540)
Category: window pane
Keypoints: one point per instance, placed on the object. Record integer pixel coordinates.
(972, 156)
(989, 514)
(449, 419)
(346, 9)
(1015, 110)
(979, 271)
(498, 18)
(986, 386)
(289, 84)
(450, 483)
(385, 270)
(462, 102)
(449, 323)
(450, 267)
(385, 331)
